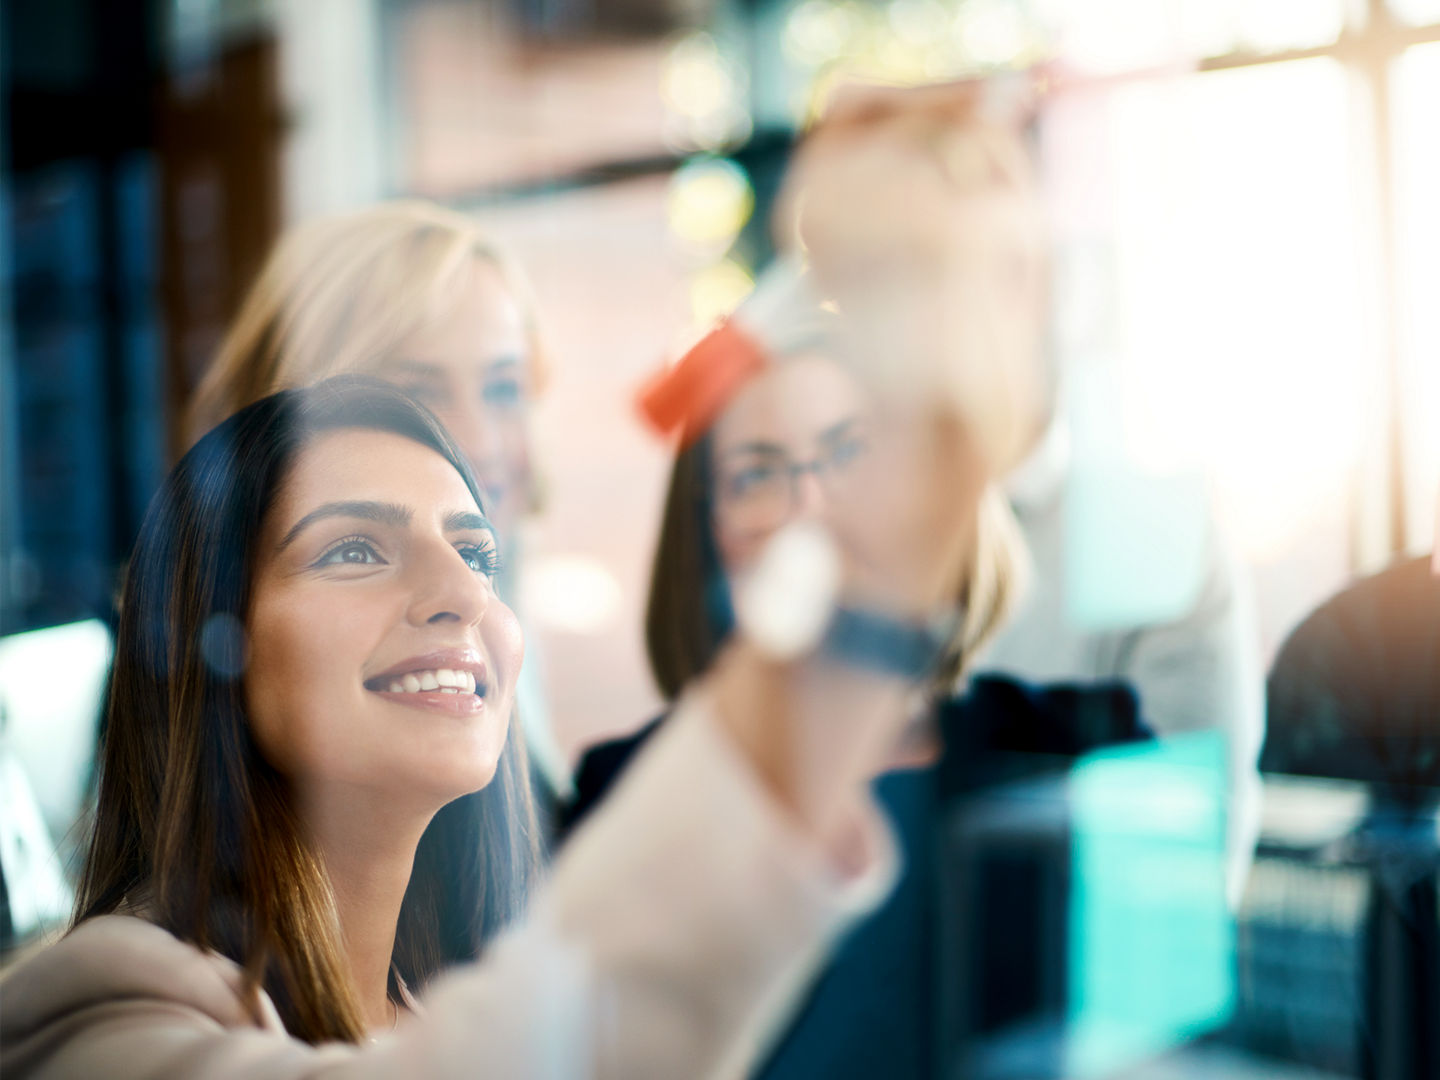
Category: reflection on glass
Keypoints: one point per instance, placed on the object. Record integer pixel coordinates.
(1417, 160)
(1416, 12)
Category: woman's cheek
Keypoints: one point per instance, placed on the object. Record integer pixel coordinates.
(504, 644)
(517, 452)
(268, 689)
(291, 680)
(737, 550)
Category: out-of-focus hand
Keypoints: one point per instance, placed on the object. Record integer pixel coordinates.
(919, 217)
(918, 213)
(905, 525)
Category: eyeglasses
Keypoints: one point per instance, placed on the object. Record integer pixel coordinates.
(758, 488)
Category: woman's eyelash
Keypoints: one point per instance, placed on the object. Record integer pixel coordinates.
(335, 554)
(486, 559)
(481, 559)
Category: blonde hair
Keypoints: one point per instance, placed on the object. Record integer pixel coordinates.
(997, 573)
(339, 295)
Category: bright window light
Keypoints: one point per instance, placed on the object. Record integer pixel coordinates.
(1417, 90)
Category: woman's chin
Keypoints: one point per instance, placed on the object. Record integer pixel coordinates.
(453, 779)
(426, 782)
(918, 746)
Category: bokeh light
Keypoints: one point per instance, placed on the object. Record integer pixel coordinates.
(703, 91)
(707, 203)
(717, 290)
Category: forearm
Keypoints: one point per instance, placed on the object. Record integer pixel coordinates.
(815, 732)
(678, 927)
(703, 900)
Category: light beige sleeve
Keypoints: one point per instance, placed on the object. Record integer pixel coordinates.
(676, 931)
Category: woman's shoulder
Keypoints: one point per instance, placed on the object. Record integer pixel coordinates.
(124, 958)
(600, 767)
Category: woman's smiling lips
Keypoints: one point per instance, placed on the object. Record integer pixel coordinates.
(450, 680)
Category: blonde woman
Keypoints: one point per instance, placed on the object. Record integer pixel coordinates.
(420, 296)
(798, 444)
(792, 444)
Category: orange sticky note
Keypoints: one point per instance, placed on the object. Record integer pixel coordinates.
(692, 393)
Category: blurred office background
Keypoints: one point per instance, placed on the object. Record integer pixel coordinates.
(1247, 266)
(1242, 189)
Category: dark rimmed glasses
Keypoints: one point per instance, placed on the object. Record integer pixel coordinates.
(757, 484)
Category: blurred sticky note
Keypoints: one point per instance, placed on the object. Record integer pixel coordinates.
(1152, 941)
(1135, 546)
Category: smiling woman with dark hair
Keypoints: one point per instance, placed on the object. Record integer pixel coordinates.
(311, 705)
(205, 824)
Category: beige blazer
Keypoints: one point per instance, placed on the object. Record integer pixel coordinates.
(675, 932)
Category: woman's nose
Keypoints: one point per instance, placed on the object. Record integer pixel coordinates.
(810, 497)
(447, 589)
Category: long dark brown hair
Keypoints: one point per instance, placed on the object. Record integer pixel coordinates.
(194, 829)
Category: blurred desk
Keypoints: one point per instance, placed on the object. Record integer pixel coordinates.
(1210, 1062)
(1339, 944)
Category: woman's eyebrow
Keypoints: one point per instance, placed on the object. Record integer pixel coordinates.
(385, 513)
(755, 446)
(841, 429)
(468, 521)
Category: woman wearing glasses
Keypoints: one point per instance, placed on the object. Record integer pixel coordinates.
(796, 441)
(805, 442)
(795, 444)
(798, 445)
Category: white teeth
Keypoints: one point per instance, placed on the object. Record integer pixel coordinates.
(446, 680)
